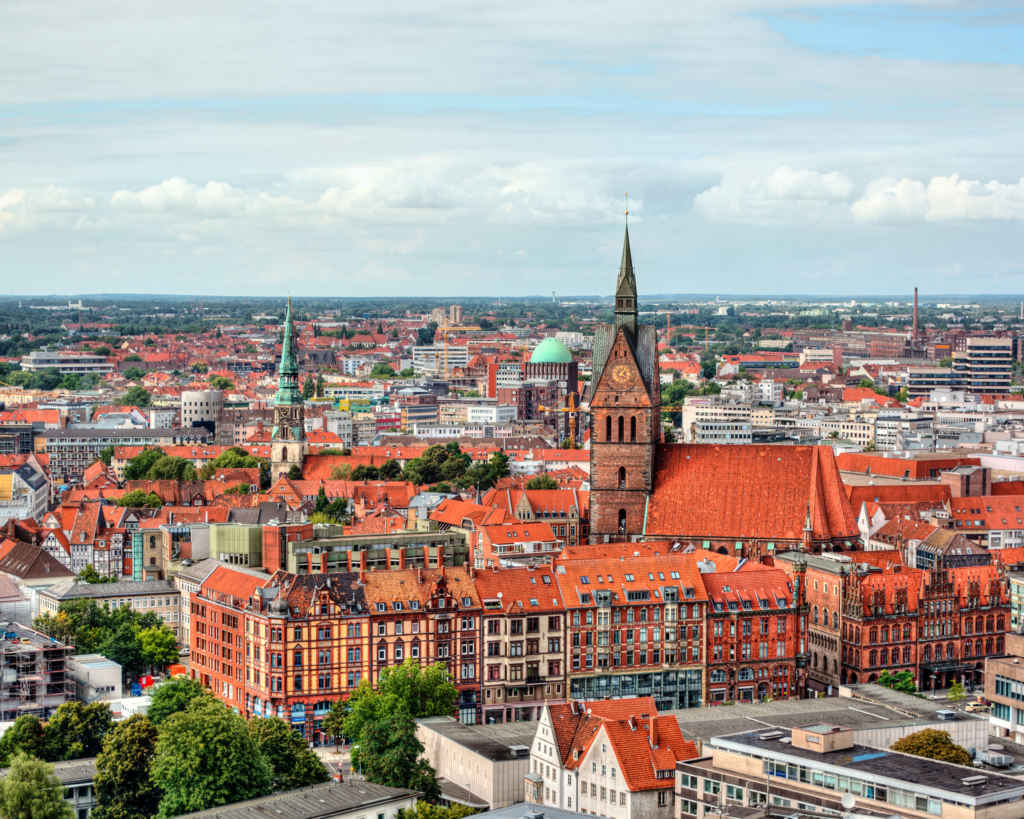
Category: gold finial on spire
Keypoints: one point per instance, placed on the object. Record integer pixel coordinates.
(627, 207)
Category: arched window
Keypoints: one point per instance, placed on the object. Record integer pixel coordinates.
(835, 620)
(988, 645)
(622, 424)
(873, 636)
(873, 658)
(988, 624)
(977, 647)
(883, 656)
(632, 429)
(622, 521)
(608, 428)
(999, 645)
(906, 633)
(814, 616)
(949, 651)
(926, 655)
(885, 634)
(967, 649)
(1000, 624)
(622, 477)
(906, 655)
(979, 625)
(824, 618)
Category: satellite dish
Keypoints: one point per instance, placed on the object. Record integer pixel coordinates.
(500, 595)
(848, 800)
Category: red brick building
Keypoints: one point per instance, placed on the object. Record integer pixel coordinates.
(625, 415)
(640, 487)
(757, 635)
(429, 615)
(218, 630)
(938, 624)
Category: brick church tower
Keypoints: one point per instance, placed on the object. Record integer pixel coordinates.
(625, 416)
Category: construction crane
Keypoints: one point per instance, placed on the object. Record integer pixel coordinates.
(696, 327)
(573, 410)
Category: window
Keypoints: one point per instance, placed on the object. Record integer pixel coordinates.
(662, 798)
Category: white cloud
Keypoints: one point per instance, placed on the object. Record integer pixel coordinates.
(943, 199)
(784, 196)
(216, 200)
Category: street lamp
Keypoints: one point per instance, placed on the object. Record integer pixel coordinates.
(469, 798)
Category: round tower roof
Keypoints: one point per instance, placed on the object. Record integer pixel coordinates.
(551, 351)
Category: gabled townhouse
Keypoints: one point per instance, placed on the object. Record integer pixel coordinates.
(523, 653)
(613, 758)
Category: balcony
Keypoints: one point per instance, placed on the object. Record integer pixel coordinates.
(535, 679)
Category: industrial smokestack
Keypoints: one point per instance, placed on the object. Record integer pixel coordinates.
(915, 316)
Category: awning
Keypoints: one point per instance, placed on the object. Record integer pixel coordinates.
(944, 666)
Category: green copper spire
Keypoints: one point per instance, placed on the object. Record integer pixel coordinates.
(288, 393)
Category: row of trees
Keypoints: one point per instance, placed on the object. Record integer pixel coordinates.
(156, 465)
(134, 640)
(188, 754)
(441, 466)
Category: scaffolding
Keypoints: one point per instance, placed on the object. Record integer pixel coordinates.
(35, 673)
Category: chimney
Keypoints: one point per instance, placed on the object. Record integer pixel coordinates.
(654, 731)
(915, 317)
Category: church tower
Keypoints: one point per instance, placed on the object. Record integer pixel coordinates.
(288, 441)
(625, 415)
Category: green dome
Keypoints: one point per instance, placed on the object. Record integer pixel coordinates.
(551, 351)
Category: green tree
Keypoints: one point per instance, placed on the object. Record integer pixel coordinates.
(866, 383)
(426, 810)
(136, 397)
(669, 434)
(159, 646)
(956, 694)
(233, 458)
(391, 754)
(382, 371)
(199, 367)
(206, 758)
(946, 362)
(901, 681)
(319, 385)
(238, 489)
(31, 791)
(390, 470)
(295, 472)
(408, 372)
(140, 465)
(321, 502)
(933, 744)
(122, 646)
(334, 721)
(338, 509)
(365, 472)
(25, 736)
(149, 342)
(76, 731)
(133, 357)
(499, 465)
(103, 350)
(542, 482)
(172, 469)
(139, 499)
(105, 455)
(90, 575)
(425, 335)
(174, 695)
(341, 472)
(123, 787)
(221, 382)
(308, 388)
(406, 688)
(292, 763)
(134, 374)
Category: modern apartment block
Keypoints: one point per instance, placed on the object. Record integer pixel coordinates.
(811, 769)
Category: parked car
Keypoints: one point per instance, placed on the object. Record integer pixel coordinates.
(977, 708)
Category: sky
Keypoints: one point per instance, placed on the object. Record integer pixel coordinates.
(455, 148)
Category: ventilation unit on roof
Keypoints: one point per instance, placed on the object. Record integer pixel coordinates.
(974, 781)
(771, 735)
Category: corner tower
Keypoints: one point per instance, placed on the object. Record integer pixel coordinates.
(625, 415)
(288, 440)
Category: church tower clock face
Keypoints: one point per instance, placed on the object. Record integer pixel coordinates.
(622, 377)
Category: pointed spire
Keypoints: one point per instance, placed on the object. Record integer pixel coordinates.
(626, 285)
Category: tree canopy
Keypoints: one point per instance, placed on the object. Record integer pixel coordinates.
(123, 787)
(292, 763)
(933, 745)
(205, 758)
(32, 791)
(542, 482)
(172, 696)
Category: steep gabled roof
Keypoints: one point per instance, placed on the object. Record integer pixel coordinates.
(743, 492)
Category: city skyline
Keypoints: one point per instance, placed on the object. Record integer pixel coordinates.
(766, 146)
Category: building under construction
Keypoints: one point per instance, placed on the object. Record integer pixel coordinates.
(35, 673)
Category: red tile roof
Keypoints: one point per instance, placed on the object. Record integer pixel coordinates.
(742, 492)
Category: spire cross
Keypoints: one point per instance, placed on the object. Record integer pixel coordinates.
(627, 207)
